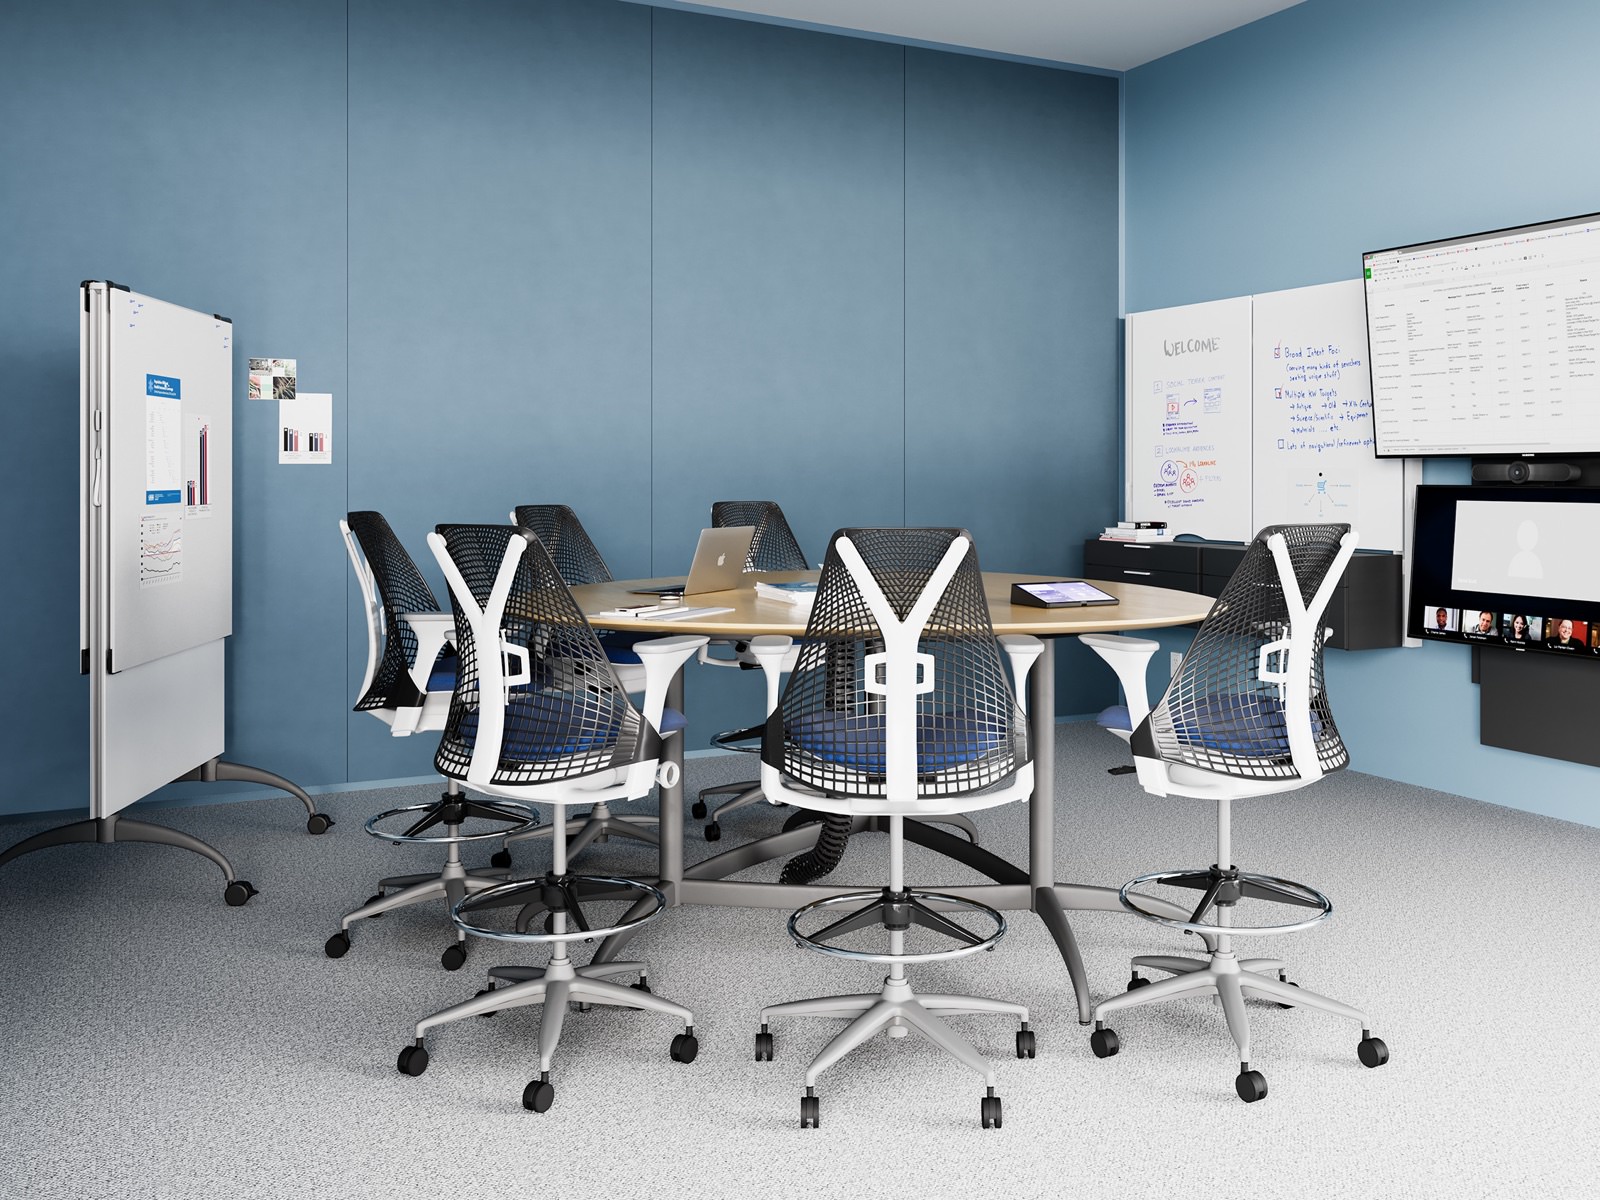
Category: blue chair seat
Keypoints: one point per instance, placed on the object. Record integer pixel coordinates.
(619, 646)
(544, 725)
(1244, 725)
(854, 740)
(443, 676)
(1115, 717)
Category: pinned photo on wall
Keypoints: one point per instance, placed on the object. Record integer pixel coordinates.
(271, 379)
(305, 433)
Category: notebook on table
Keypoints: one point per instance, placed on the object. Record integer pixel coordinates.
(718, 562)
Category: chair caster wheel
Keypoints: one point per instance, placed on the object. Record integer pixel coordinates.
(1251, 1086)
(373, 899)
(1104, 1043)
(713, 832)
(763, 1046)
(413, 1060)
(1138, 981)
(319, 823)
(1372, 1052)
(454, 957)
(1291, 983)
(989, 1111)
(500, 859)
(1026, 1047)
(238, 893)
(484, 992)
(337, 946)
(538, 1096)
(642, 986)
(697, 810)
(810, 1112)
(685, 1048)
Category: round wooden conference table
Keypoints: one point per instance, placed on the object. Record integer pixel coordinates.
(1138, 607)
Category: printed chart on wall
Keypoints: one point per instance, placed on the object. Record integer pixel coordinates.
(1313, 437)
(1188, 410)
(305, 433)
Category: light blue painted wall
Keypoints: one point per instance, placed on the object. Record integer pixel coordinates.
(135, 148)
(1271, 157)
(630, 259)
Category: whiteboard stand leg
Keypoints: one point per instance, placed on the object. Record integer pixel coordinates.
(64, 835)
(117, 828)
(231, 772)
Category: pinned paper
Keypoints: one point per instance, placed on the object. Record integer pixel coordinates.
(305, 433)
(272, 379)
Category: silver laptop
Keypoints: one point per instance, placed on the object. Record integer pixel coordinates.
(718, 563)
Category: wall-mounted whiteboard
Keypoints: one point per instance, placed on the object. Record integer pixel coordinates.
(1257, 411)
(1188, 418)
(1313, 430)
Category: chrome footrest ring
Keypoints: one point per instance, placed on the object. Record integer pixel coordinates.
(810, 942)
(1322, 903)
(505, 895)
(529, 821)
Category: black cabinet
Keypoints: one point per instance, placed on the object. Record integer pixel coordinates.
(1365, 612)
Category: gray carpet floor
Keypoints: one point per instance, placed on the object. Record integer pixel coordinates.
(160, 1044)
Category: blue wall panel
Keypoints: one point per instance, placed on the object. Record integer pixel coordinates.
(137, 147)
(627, 259)
(1271, 157)
(499, 275)
(1012, 405)
(777, 284)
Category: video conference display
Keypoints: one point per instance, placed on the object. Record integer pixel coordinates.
(1508, 566)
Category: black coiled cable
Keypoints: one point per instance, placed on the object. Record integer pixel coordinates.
(822, 858)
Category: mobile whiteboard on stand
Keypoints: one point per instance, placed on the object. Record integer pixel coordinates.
(156, 564)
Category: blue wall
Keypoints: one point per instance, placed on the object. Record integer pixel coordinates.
(1272, 156)
(630, 259)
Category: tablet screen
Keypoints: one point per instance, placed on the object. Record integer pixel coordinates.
(1067, 591)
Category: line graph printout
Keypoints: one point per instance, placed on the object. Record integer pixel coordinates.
(160, 550)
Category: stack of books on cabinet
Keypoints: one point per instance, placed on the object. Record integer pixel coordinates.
(1137, 531)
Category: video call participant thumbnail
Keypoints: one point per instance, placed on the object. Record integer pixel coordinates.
(1482, 624)
(1436, 620)
(1517, 627)
(1566, 634)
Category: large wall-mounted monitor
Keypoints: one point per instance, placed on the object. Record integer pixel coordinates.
(1508, 567)
(1489, 344)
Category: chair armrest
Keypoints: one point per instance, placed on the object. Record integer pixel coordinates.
(435, 631)
(663, 658)
(770, 650)
(1022, 650)
(1130, 658)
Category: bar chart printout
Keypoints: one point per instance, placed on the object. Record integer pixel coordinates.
(197, 467)
(305, 433)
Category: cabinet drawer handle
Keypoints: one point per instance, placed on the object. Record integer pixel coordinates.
(1128, 572)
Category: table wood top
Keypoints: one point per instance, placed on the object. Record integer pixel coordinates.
(1138, 607)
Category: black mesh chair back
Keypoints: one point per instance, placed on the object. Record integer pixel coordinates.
(568, 543)
(1224, 710)
(401, 589)
(566, 713)
(828, 729)
(773, 548)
